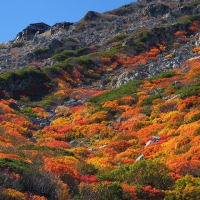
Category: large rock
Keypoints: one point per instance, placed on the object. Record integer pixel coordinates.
(92, 15)
(63, 25)
(29, 32)
(156, 10)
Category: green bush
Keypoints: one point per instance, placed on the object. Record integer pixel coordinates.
(193, 4)
(111, 53)
(185, 188)
(46, 102)
(18, 44)
(189, 90)
(137, 43)
(87, 169)
(168, 74)
(3, 47)
(187, 19)
(144, 172)
(68, 59)
(64, 55)
(58, 151)
(149, 100)
(21, 74)
(109, 192)
(20, 83)
(61, 56)
(58, 67)
(39, 51)
(28, 111)
(127, 89)
(15, 165)
(117, 38)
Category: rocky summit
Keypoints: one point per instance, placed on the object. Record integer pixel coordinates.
(107, 108)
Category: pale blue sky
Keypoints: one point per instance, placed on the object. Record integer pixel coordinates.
(15, 15)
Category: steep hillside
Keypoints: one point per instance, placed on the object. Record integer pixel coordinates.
(105, 108)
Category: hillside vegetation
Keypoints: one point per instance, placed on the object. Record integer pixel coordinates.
(117, 122)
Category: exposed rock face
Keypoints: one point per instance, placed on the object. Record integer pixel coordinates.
(29, 32)
(58, 26)
(92, 33)
(156, 10)
(92, 15)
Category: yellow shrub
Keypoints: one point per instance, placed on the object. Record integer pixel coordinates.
(196, 50)
(169, 56)
(11, 193)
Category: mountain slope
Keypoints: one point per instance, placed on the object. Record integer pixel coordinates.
(106, 108)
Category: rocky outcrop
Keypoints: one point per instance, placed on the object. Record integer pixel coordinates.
(92, 16)
(64, 25)
(29, 32)
(30, 82)
(40, 41)
(156, 10)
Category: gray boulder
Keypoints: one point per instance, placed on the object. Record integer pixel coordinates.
(74, 143)
(156, 10)
(94, 150)
(139, 158)
(30, 31)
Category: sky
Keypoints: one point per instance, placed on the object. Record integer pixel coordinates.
(15, 15)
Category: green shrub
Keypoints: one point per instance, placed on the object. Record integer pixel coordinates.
(144, 172)
(82, 50)
(39, 51)
(127, 89)
(67, 59)
(3, 47)
(149, 100)
(117, 38)
(21, 74)
(189, 90)
(193, 4)
(185, 188)
(187, 19)
(168, 74)
(18, 44)
(61, 56)
(15, 165)
(138, 42)
(58, 151)
(87, 169)
(113, 191)
(58, 67)
(46, 102)
(20, 83)
(111, 53)
(64, 55)
(28, 111)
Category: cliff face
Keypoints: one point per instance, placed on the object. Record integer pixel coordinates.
(105, 108)
(93, 30)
